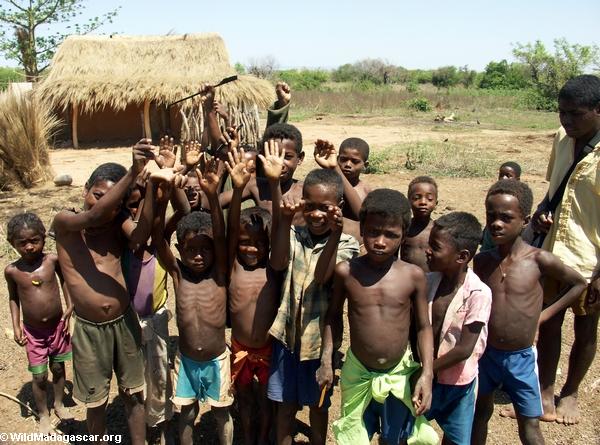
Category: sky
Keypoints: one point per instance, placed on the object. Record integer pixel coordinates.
(326, 34)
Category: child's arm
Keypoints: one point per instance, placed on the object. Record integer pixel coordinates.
(463, 349)
(333, 328)
(328, 258)
(209, 183)
(138, 231)
(211, 122)
(326, 157)
(67, 296)
(422, 394)
(15, 308)
(249, 192)
(102, 211)
(552, 267)
(280, 235)
(163, 250)
(236, 166)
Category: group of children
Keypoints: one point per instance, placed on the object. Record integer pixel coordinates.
(430, 337)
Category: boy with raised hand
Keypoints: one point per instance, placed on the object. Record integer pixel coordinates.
(349, 164)
(423, 197)
(253, 294)
(34, 289)
(376, 376)
(202, 365)
(460, 307)
(514, 271)
(307, 256)
(106, 336)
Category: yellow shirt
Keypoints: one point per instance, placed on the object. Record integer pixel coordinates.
(575, 234)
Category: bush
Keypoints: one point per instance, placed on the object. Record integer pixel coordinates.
(445, 77)
(419, 104)
(304, 79)
(412, 86)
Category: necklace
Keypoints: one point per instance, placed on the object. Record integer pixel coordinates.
(502, 272)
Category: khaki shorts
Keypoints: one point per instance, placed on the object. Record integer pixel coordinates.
(586, 304)
(98, 348)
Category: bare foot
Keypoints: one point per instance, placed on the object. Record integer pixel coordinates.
(567, 411)
(45, 426)
(63, 413)
(549, 408)
(509, 412)
(548, 416)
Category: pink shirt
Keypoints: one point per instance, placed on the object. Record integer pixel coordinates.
(471, 303)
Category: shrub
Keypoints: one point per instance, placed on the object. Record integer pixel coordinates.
(419, 104)
(304, 79)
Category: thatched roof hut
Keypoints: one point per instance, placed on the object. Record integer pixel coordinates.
(104, 82)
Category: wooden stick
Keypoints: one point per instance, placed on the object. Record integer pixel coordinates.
(222, 82)
(322, 399)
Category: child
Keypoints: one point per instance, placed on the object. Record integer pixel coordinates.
(32, 286)
(423, 197)
(290, 140)
(106, 336)
(508, 170)
(375, 381)
(307, 255)
(513, 271)
(199, 279)
(253, 295)
(349, 164)
(459, 309)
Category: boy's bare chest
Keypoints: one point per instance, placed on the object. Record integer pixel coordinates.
(248, 284)
(205, 295)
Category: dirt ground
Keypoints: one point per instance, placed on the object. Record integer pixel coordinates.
(529, 148)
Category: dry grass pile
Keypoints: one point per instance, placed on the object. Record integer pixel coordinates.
(26, 126)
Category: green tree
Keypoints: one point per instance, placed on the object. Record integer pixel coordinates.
(549, 72)
(504, 76)
(466, 77)
(445, 77)
(239, 68)
(23, 35)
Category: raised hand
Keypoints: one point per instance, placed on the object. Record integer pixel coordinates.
(272, 160)
(142, 152)
(231, 137)
(192, 154)
(207, 93)
(221, 110)
(290, 205)
(335, 218)
(209, 177)
(237, 166)
(167, 152)
(163, 192)
(325, 154)
(282, 90)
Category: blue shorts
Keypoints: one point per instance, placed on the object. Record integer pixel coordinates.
(205, 381)
(516, 373)
(453, 408)
(391, 419)
(294, 381)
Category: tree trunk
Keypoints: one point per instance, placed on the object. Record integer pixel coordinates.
(74, 125)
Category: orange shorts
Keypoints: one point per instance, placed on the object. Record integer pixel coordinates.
(247, 363)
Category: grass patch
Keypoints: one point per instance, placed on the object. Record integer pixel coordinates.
(434, 158)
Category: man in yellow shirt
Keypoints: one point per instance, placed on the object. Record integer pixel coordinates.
(573, 234)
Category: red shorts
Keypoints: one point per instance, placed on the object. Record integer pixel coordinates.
(46, 344)
(246, 363)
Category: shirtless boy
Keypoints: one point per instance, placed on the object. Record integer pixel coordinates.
(349, 163)
(33, 287)
(513, 271)
(380, 289)
(423, 197)
(90, 244)
(460, 309)
(199, 279)
(253, 295)
(307, 255)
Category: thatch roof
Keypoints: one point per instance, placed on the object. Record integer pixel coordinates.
(100, 71)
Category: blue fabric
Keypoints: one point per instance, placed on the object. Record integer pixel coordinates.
(453, 408)
(391, 419)
(199, 380)
(516, 373)
(292, 380)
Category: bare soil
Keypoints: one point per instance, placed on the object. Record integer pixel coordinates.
(529, 148)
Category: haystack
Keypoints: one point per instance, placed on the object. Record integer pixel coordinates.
(103, 83)
(25, 128)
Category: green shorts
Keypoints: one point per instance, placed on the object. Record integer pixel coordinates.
(98, 348)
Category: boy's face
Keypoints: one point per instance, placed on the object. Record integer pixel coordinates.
(253, 245)
(318, 199)
(291, 159)
(381, 237)
(442, 254)
(197, 251)
(133, 202)
(29, 243)
(578, 121)
(507, 173)
(97, 191)
(504, 218)
(351, 163)
(192, 191)
(423, 199)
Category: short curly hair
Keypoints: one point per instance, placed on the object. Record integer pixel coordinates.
(27, 220)
(387, 203)
(422, 180)
(109, 171)
(464, 229)
(358, 144)
(513, 165)
(518, 189)
(194, 222)
(583, 91)
(284, 131)
(325, 177)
